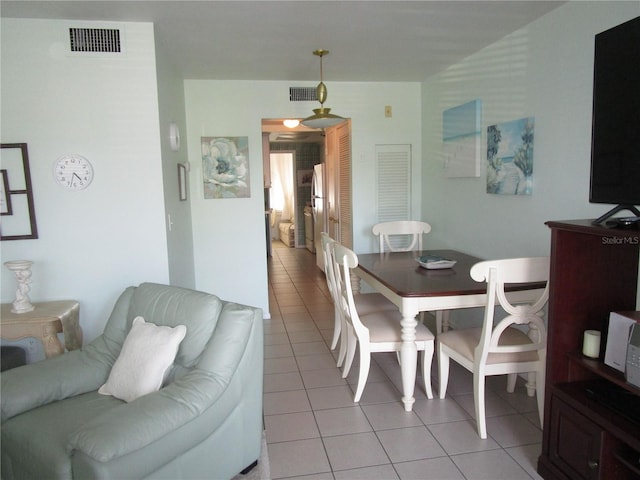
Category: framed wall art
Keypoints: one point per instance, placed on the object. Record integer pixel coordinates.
(17, 212)
(461, 132)
(5, 198)
(510, 157)
(304, 178)
(225, 167)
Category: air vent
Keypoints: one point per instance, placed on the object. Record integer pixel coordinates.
(302, 94)
(96, 40)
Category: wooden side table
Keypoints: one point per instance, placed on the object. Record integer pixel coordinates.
(45, 322)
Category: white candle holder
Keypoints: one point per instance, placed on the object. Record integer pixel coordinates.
(22, 270)
(591, 343)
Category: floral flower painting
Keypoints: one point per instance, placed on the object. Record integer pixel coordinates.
(225, 167)
(510, 157)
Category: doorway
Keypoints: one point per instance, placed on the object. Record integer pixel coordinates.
(307, 147)
(282, 196)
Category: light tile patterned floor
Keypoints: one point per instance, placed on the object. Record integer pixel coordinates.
(316, 432)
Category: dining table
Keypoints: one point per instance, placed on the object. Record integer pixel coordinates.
(414, 289)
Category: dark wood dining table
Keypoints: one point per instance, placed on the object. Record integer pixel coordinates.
(414, 289)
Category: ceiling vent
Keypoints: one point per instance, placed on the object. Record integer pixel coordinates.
(95, 40)
(303, 94)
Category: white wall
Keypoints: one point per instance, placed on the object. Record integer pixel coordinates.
(92, 243)
(544, 70)
(230, 255)
(178, 213)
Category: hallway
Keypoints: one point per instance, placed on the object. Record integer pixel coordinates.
(315, 431)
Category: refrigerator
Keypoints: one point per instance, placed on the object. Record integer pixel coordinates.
(318, 212)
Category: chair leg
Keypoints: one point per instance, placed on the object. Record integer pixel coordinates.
(352, 342)
(249, 468)
(336, 329)
(342, 352)
(443, 372)
(442, 321)
(427, 358)
(512, 378)
(344, 342)
(531, 384)
(365, 363)
(478, 397)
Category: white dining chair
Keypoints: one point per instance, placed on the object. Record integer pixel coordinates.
(393, 235)
(365, 302)
(379, 331)
(503, 348)
(326, 242)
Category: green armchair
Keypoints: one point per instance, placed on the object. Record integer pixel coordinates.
(205, 422)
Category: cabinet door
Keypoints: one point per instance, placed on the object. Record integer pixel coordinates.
(575, 442)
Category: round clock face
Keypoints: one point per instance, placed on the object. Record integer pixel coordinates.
(73, 172)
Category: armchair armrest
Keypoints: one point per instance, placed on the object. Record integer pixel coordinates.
(57, 378)
(67, 375)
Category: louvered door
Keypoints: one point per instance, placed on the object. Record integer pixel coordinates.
(393, 170)
(338, 188)
(344, 184)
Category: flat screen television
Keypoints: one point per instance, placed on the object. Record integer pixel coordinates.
(615, 140)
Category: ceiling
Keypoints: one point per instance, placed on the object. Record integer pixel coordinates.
(369, 41)
(274, 40)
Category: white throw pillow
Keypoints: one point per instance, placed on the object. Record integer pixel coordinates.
(147, 353)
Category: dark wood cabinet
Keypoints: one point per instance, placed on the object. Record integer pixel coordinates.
(581, 455)
(594, 271)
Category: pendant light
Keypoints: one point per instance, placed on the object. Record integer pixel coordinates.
(322, 117)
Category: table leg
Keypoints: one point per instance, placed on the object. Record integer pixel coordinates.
(71, 328)
(50, 342)
(408, 358)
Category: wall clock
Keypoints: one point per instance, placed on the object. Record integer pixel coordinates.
(73, 172)
(174, 136)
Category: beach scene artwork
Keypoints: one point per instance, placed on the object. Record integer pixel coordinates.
(461, 132)
(510, 157)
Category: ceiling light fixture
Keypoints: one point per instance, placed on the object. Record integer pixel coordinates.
(322, 117)
(291, 123)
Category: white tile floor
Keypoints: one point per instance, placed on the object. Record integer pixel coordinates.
(316, 432)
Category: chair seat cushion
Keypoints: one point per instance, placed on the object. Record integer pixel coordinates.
(37, 439)
(367, 303)
(466, 340)
(384, 326)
